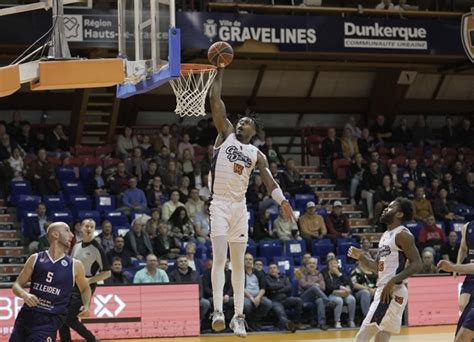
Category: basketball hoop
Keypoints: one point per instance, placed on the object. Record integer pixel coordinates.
(192, 87)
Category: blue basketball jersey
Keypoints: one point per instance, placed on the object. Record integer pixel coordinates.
(470, 246)
(52, 282)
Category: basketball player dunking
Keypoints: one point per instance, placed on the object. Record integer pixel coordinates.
(232, 165)
(395, 247)
(52, 274)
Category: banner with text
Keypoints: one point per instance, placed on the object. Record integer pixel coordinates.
(92, 28)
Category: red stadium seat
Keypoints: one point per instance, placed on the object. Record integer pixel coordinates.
(103, 151)
(80, 150)
(110, 162)
(72, 161)
(91, 161)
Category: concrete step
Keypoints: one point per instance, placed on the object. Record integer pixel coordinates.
(97, 113)
(323, 187)
(96, 123)
(12, 251)
(319, 181)
(362, 230)
(11, 269)
(17, 259)
(99, 104)
(8, 234)
(330, 201)
(359, 222)
(93, 133)
(8, 278)
(7, 226)
(7, 218)
(101, 95)
(329, 194)
(10, 242)
(306, 169)
(345, 207)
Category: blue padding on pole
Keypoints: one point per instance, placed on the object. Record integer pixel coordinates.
(170, 71)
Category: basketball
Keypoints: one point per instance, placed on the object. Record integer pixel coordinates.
(220, 54)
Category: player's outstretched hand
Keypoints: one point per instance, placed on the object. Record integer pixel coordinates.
(446, 266)
(354, 253)
(84, 312)
(285, 205)
(31, 300)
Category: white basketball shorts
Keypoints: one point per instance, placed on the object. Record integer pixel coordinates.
(229, 219)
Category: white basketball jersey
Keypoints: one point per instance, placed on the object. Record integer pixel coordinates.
(231, 167)
(391, 257)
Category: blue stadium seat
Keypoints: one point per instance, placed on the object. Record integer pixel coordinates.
(456, 226)
(64, 216)
(65, 174)
(343, 248)
(105, 203)
(85, 173)
(201, 251)
(302, 199)
(415, 228)
(27, 203)
(80, 203)
(54, 203)
(321, 248)
(263, 260)
(72, 188)
(295, 248)
(17, 189)
(295, 288)
(287, 263)
(322, 212)
(118, 220)
(91, 214)
(270, 248)
(252, 249)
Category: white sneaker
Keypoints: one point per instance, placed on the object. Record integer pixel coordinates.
(352, 324)
(218, 321)
(237, 324)
(338, 325)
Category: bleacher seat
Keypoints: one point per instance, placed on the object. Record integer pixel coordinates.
(85, 173)
(252, 249)
(270, 249)
(322, 212)
(72, 188)
(17, 189)
(287, 263)
(80, 203)
(27, 203)
(302, 199)
(456, 226)
(414, 228)
(105, 203)
(64, 216)
(322, 247)
(102, 151)
(65, 174)
(118, 220)
(91, 161)
(295, 248)
(80, 150)
(263, 260)
(343, 248)
(54, 203)
(91, 214)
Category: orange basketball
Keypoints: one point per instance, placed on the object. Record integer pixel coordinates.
(220, 54)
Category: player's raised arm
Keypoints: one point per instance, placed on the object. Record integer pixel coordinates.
(272, 186)
(219, 113)
(23, 278)
(83, 285)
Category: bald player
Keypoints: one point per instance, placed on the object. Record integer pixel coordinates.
(52, 274)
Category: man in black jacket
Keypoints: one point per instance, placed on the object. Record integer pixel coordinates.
(185, 274)
(256, 304)
(279, 290)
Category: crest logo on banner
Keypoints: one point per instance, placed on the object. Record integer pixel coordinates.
(467, 34)
(210, 29)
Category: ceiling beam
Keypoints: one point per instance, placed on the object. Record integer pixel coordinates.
(256, 86)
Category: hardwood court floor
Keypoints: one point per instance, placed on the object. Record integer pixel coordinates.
(431, 334)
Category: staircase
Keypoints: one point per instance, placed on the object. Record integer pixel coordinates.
(12, 253)
(96, 112)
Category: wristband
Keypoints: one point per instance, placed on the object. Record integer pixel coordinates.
(278, 196)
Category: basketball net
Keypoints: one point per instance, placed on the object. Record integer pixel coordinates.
(191, 89)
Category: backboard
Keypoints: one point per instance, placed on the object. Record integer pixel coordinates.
(150, 44)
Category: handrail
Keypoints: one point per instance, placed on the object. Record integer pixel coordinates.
(330, 10)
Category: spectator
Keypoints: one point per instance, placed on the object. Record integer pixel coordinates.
(349, 144)
(120, 180)
(467, 189)
(402, 135)
(366, 143)
(364, 284)
(464, 136)
(137, 241)
(312, 286)
(395, 176)
(166, 139)
(415, 173)
(17, 164)
(170, 206)
(384, 195)
(163, 159)
(202, 224)
(371, 180)
(77, 234)
(181, 226)
(164, 245)
(106, 238)
(34, 227)
(205, 163)
(228, 293)
(271, 152)
(338, 288)
(172, 177)
(188, 165)
(193, 261)
(96, 185)
(149, 176)
(58, 142)
(444, 209)
(153, 224)
(259, 265)
(278, 176)
(331, 149)
(421, 133)
(185, 274)
(337, 222)
(381, 130)
(278, 289)
(118, 277)
(366, 248)
(256, 305)
(422, 206)
(41, 175)
(284, 227)
(14, 126)
(356, 170)
(261, 228)
(428, 262)
(146, 147)
(184, 189)
(134, 198)
(431, 235)
(7, 147)
(449, 135)
(312, 225)
(163, 264)
(454, 192)
(155, 194)
(136, 166)
(27, 139)
(204, 192)
(375, 157)
(197, 177)
(450, 249)
(185, 145)
(294, 182)
(257, 193)
(351, 124)
(259, 140)
(301, 270)
(409, 192)
(459, 176)
(151, 274)
(120, 252)
(126, 142)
